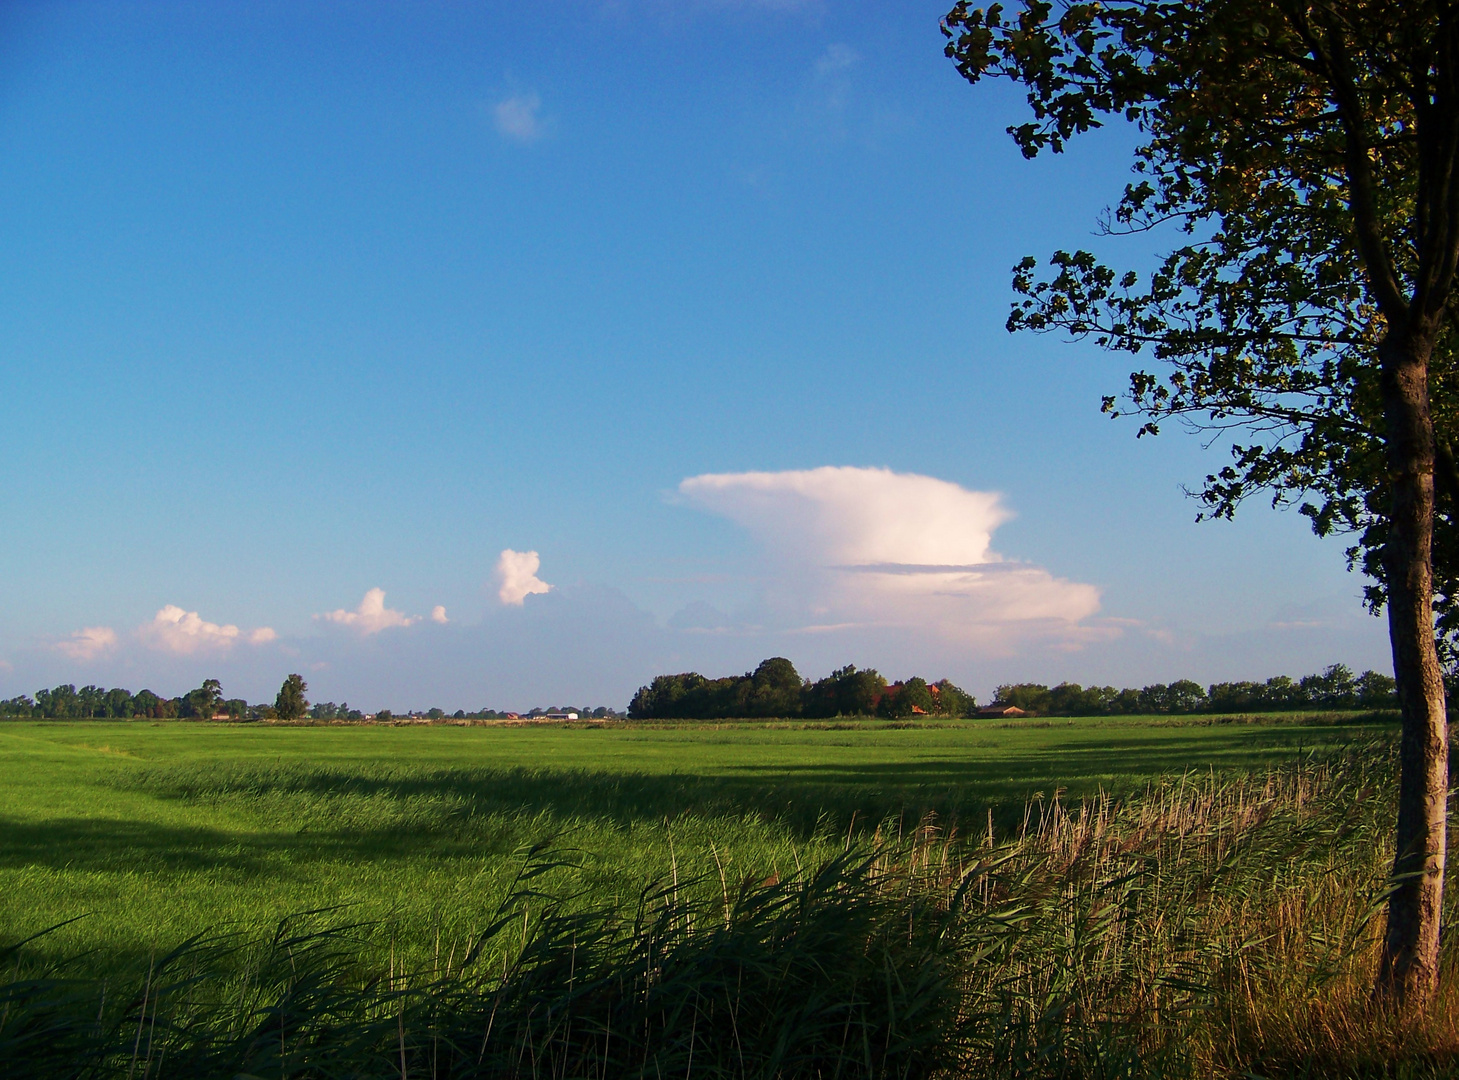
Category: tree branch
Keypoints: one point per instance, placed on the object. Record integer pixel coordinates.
(1362, 189)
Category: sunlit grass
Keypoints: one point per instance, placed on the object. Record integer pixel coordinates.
(1216, 923)
(150, 831)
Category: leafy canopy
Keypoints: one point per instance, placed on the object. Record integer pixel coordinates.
(1281, 146)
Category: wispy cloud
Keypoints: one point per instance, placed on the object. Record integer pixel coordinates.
(516, 575)
(371, 616)
(826, 99)
(870, 547)
(837, 58)
(519, 117)
(88, 642)
(182, 632)
(843, 101)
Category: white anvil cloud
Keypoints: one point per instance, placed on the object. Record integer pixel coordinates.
(867, 546)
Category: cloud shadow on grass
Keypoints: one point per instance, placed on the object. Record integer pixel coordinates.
(305, 813)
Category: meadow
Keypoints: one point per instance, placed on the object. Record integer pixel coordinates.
(1102, 897)
(149, 831)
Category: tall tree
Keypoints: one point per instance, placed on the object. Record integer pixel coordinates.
(290, 703)
(202, 703)
(775, 689)
(847, 691)
(1308, 154)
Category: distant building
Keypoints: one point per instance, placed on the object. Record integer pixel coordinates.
(561, 715)
(1001, 710)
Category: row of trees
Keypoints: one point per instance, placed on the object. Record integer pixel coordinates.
(1335, 688)
(330, 711)
(65, 702)
(775, 688)
(207, 702)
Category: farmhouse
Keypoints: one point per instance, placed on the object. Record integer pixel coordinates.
(1001, 710)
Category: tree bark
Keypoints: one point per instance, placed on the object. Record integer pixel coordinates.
(1410, 962)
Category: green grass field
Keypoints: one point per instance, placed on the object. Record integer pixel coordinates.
(154, 831)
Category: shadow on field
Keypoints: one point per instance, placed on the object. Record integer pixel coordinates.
(453, 802)
(108, 844)
(103, 844)
(304, 813)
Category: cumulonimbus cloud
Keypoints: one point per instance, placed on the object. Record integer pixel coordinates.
(867, 546)
(186, 632)
(371, 616)
(88, 642)
(516, 575)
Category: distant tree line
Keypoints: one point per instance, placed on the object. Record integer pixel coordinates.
(330, 711)
(65, 702)
(775, 688)
(1335, 688)
(601, 712)
(207, 702)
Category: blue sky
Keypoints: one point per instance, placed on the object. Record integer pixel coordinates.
(302, 300)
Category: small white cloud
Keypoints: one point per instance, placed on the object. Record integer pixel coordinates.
(438, 614)
(518, 117)
(88, 642)
(184, 632)
(371, 616)
(516, 574)
(262, 636)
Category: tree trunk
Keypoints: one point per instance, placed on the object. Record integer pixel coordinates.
(1410, 962)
